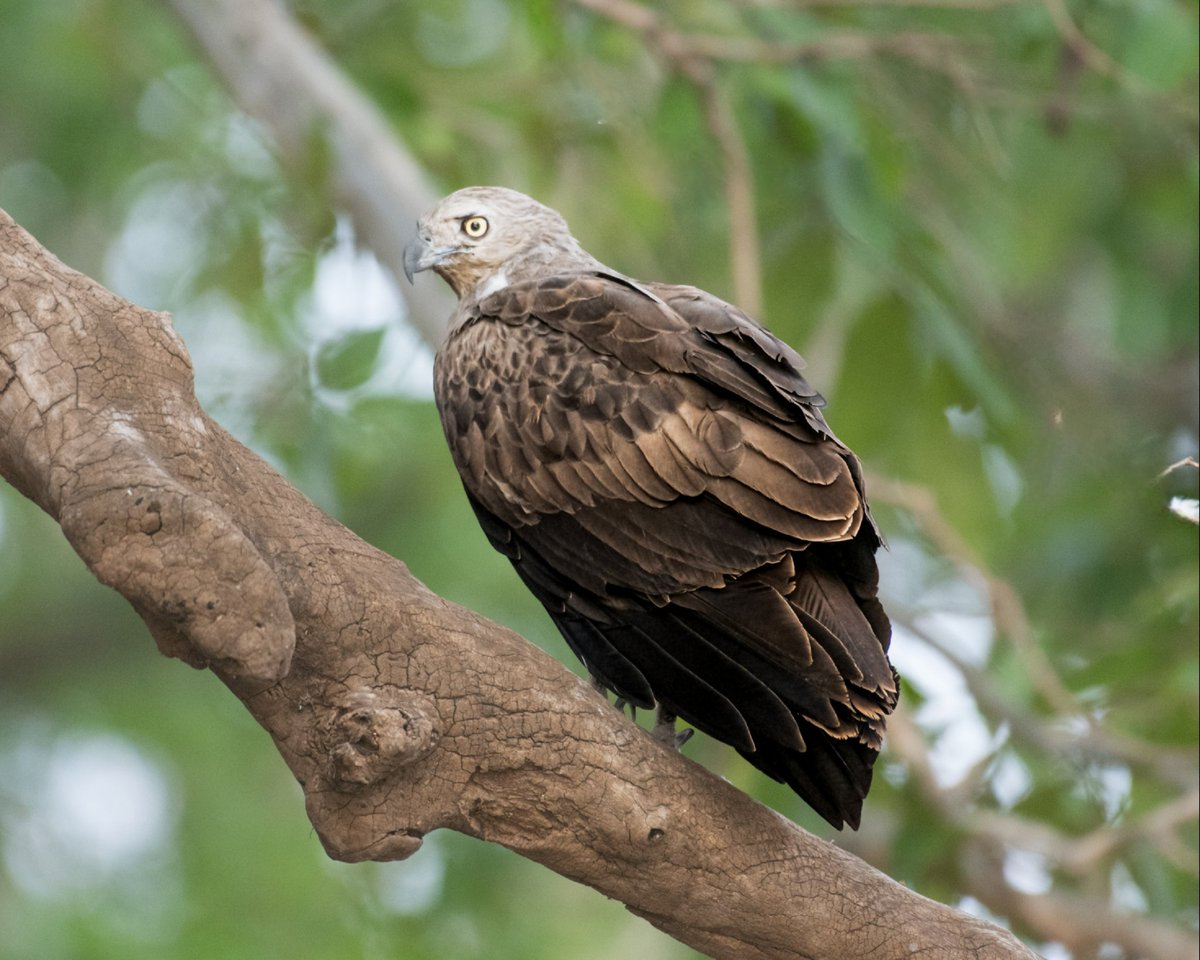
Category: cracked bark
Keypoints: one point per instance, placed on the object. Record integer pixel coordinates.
(397, 711)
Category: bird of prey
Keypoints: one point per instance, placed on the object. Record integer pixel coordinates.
(661, 477)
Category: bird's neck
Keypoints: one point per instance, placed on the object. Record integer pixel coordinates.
(543, 260)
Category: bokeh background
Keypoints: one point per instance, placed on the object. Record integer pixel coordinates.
(976, 218)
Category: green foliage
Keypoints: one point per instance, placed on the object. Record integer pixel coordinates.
(348, 362)
(986, 246)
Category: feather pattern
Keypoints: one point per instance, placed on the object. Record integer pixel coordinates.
(659, 472)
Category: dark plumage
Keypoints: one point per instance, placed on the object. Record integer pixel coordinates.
(660, 475)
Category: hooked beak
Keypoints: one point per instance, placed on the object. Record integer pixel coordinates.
(419, 255)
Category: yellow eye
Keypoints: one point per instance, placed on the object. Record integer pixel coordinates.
(475, 227)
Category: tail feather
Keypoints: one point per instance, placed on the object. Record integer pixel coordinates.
(785, 663)
(832, 776)
(690, 696)
(761, 706)
(604, 662)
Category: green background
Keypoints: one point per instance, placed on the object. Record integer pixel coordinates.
(986, 248)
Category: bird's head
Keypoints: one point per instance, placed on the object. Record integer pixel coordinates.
(479, 238)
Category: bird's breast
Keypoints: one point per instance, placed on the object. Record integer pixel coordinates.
(498, 387)
(490, 369)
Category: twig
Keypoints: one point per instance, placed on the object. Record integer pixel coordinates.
(1094, 743)
(1179, 465)
(974, 5)
(679, 47)
(1007, 609)
(905, 740)
(693, 57)
(744, 257)
(926, 49)
(1086, 51)
(1157, 826)
(1074, 920)
(694, 64)
(1079, 922)
(1081, 856)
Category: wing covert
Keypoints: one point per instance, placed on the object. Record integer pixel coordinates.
(584, 395)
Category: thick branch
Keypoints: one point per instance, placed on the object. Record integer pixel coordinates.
(397, 711)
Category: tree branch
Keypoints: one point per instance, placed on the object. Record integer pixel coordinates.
(1007, 610)
(1078, 921)
(282, 79)
(695, 65)
(1051, 735)
(1081, 923)
(397, 711)
(976, 5)
(1095, 741)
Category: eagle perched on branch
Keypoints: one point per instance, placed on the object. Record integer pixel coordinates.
(660, 475)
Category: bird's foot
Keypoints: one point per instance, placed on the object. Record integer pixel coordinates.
(664, 730)
(620, 703)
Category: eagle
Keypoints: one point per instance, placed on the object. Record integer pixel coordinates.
(659, 473)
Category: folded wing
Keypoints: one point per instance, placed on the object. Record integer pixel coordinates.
(658, 471)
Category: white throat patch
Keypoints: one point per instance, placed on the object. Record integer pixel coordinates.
(497, 281)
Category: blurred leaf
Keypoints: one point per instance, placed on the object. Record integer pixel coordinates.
(1161, 47)
(348, 361)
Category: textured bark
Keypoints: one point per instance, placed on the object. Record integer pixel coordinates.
(397, 711)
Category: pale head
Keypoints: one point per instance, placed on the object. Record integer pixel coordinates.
(481, 238)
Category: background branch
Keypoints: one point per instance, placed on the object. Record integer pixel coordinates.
(1006, 607)
(1080, 922)
(695, 65)
(304, 101)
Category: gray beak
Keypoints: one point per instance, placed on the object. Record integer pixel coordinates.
(417, 257)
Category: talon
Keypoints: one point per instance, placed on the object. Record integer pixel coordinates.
(620, 703)
(664, 730)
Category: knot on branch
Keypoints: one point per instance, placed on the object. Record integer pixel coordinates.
(374, 734)
(656, 823)
(371, 734)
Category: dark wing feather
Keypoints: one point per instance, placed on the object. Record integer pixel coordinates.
(658, 471)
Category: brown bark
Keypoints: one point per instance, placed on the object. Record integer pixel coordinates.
(398, 712)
